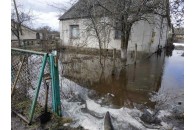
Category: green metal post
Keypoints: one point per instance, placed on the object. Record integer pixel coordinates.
(56, 104)
(53, 83)
(38, 88)
(57, 87)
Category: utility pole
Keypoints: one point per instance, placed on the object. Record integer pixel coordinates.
(18, 26)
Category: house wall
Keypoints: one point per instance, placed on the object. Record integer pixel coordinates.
(26, 34)
(85, 39)
(141, 34)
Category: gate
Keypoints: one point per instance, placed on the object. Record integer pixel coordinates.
(35, 83)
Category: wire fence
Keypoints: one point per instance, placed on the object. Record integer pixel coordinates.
(33, 80)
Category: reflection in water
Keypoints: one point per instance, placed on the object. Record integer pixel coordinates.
(117, 84)
(169, 53)
(172, 84)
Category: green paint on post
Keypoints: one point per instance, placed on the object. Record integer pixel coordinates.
(53, 81)
(57, 89)
(38, 88)
(28, 51)
(56, 104)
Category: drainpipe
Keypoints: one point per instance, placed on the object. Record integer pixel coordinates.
(160, 36)
(161, 30)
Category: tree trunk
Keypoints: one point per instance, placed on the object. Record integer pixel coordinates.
(123, 54)
(124, 41)
(124, 45)
(123, 48)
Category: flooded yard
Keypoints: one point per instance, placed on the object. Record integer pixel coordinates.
(92, 86)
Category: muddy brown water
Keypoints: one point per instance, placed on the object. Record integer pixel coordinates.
(119, 84)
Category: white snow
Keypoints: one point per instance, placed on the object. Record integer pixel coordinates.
(163, 113)
(166, 126)
(179, 44)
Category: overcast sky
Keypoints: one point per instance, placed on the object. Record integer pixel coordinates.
(44, 13)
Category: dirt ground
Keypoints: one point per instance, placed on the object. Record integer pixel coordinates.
(53, 124)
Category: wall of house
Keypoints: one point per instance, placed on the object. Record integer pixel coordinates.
(85, 39)
(26, 34)
(146, 36)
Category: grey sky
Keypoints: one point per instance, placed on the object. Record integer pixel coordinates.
(45, 14)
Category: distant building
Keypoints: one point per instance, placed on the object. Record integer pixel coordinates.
(179, 31)
(26, 33)
(179, 35)
(54, 36)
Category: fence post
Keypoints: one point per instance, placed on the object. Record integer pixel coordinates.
(17, 76)
(38, 88)
(135, 52)
(56, 104)
(114, 53)
(114, 60)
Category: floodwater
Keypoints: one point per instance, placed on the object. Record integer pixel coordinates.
(155, 82)
(130, 84)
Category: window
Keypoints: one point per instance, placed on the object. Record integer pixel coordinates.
(117, 31)
(117, 34)
(37, 36)
(74, 31)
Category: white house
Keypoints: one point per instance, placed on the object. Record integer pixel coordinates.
(74, 25)
(26, 33)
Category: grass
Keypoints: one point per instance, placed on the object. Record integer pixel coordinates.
(24, 106)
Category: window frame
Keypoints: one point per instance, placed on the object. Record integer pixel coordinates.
(117, 32)
(37, 36)
(71, 31)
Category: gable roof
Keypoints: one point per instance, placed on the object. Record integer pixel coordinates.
(15, 23)
(81, 8)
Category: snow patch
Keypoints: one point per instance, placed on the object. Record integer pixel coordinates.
(163, 113)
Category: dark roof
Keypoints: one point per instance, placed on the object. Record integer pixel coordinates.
(14, 22)
(81, 8)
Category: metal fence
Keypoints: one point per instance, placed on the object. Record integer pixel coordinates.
(35, 83)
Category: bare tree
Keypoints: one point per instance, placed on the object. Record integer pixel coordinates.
(19, 17)
(177, 15)
(123, 14)
(120, 15)
(97, 25)
(62, 6)
(177, 12)
(45, 30)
